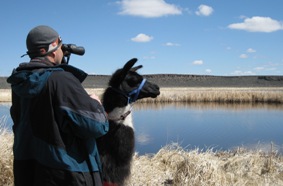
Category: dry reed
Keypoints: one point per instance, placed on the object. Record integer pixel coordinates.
(6, 154)
(5, 95)
(220, 95)
(198, 94)
(216, 94)
(173, 165)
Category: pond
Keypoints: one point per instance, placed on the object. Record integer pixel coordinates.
(208, 126)
(203, 126)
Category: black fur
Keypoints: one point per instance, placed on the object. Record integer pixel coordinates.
(117, 147)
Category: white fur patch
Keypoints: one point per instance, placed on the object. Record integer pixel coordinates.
(118, 112)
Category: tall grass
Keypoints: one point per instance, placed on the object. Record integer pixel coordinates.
(173, 165)
(220, 95)
(196, 94)
(6, 154)
(216, 94)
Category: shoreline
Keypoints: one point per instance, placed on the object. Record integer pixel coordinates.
(199, 94)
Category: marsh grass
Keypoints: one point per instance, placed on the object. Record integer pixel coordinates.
(215, 94)
(6, 154)
(173, 165)
(220, 95)
(198, 94)
(5, 95)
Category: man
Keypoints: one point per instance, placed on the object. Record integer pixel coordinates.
(56, 122)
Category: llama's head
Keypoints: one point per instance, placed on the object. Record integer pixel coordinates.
(129, 86)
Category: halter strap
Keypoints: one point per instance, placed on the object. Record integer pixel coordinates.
(135, 92)
(133, 95)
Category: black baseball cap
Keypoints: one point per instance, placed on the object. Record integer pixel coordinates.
(39, 37)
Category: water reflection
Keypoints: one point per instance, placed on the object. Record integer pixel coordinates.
(208, 105)
(5, 118)
(206, 126)
(201, 125)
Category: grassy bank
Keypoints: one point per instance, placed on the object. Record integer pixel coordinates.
(173, 165)
(215, 94)
(220, 95)
(6, 154)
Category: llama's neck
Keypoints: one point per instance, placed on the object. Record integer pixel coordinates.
(116, 114)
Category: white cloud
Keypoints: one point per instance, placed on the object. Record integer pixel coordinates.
(250, 50)
(142, 38)
(204, 10)
(208, 71)
(240, 73)
(149, 57)
(244, 56)
(271, 69)
(143, 139)
(267, 67)
(198, 62)
(258, 24)
(171, 44)
(148, 8)
(259, 68)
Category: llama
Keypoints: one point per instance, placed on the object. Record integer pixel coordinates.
(116, 148)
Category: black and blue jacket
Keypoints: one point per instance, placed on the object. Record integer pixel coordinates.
(56, 123)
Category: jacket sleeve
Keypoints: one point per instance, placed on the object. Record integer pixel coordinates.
(75, 109)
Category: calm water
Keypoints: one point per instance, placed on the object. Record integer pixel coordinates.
(205, 126)
(221, 127)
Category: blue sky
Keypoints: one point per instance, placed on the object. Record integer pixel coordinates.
(209, 37)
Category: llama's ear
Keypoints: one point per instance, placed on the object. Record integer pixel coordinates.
(127, 67)
(129, 64)
(136, 68)
(120, 74)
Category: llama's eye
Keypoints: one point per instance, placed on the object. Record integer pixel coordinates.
(132, 81)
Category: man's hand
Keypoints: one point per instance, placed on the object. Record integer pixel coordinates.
(94, 96)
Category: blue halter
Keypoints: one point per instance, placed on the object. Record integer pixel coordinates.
(135, 92)
(133, 95)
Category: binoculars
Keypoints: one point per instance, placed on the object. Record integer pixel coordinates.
(69, 49)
